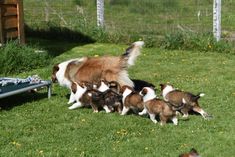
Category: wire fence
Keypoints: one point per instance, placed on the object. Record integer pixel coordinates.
(131, 17)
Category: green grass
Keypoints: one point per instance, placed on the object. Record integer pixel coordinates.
(129, 20)
(32, 125)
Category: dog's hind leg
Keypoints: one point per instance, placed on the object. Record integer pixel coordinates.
(175, 120)
(152, 117)
(202, 112)
(143, 112)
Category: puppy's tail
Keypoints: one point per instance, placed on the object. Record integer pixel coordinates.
(132, 52)
(199, 95)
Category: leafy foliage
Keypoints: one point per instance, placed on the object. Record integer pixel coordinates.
(17, 58)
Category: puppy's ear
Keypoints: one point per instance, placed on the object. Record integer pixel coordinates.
(162, 86)
(143, 92)
(74, 87)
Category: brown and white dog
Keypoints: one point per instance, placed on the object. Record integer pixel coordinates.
(131, 100)
(177, 98)
(155, 106)
(93, 69)
(192, 153)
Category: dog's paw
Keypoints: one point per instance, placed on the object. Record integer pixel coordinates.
(95, 111)
(75, 105)
(207, 116)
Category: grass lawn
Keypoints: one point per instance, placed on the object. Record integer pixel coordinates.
(32, 125)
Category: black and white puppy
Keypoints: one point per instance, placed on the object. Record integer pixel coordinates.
(178, 97)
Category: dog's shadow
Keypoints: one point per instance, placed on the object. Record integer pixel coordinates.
(10, 102)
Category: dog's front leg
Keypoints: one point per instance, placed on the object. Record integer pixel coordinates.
(124, 110)
(106, 108)
(144, 111)
(71, 98)
(152, 117)
(76, 105)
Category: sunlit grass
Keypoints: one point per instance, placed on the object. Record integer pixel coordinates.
(32, 125)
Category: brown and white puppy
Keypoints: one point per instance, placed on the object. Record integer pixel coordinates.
(193, 153)
(93, 69)
(131, 100)
(93, 97)
(177, 97)
(155, 106)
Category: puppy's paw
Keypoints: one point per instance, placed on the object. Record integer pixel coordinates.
(95, 111)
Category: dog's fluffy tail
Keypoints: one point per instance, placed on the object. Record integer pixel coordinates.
(132, 52)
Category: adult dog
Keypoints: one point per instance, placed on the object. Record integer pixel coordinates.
(93, 69)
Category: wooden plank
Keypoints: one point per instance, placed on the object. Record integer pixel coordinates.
(8, 1)
(10, 22)
(11, 34)
(9, 10)
(21, 33)
(1, 29)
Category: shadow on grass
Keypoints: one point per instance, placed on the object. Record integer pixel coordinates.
(20, 99)
(56, 40)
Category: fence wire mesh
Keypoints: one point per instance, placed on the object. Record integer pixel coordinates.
(130, 17)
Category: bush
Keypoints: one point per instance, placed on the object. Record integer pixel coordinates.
(17, 58)
(194, 41)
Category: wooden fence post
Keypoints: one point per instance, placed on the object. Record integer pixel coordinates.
(100, 13)
(217, 19)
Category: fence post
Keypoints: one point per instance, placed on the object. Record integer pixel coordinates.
(100, 13)
(217, 19)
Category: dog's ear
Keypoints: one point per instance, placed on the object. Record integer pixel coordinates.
(144, 91)
(162, 86)
(54, 71)
(74, 87)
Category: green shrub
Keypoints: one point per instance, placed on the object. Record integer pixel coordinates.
(17, 58)
(195, 41)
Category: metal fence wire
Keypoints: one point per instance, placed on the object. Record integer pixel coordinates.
(142, 17)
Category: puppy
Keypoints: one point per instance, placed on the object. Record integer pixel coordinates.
(155, 106)
(93, 69)
(131, 100)
(177, 97)
(192, 153)
(96, 98)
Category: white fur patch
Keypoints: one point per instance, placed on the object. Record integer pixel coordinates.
(175, 120)
(135, 52)
(125, 94)
(61, 72)
(184, 101)
(150, 94)
(75, 105)
(123, 79)
(167, 90)
(139, 43)
(71, 98)
(202, 94)
(80, 91)
(106, 109)
(103, 87)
